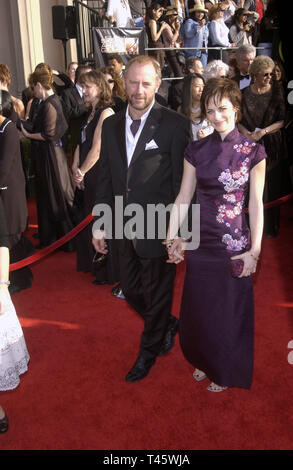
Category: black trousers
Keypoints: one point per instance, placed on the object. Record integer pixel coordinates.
(147, 284)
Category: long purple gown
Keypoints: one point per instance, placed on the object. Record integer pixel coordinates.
(217, 311)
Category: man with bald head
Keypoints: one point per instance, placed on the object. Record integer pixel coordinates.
(141, 161)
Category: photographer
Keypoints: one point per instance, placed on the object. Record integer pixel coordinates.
(242, 29)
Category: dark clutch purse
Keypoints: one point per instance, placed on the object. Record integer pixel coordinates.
(236, 266)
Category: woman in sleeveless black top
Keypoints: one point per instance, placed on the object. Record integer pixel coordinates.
(154, 32)
(97, 96)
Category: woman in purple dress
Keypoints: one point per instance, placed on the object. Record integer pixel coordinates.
(217, 317)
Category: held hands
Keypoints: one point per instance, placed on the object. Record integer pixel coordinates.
(175, 249)
(24, 132)
(250, 262)
(78, 177)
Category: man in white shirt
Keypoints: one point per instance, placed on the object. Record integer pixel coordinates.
(245, 55)
(118, 12)
(141, 160)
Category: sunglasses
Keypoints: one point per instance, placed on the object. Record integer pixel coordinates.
(110, 81)
(268, 74)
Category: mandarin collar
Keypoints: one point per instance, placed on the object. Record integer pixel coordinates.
(233, 135)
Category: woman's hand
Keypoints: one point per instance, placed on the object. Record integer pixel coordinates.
(4, 298)
(200, 134)
(78, 177)
(177, 25)
(25, 134)
(250, 263)
(175, 250)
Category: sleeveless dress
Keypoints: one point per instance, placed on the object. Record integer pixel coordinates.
(217, 311)
(14, 356)
(84, 249)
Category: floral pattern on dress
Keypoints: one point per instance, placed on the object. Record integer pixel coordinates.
(231, 207)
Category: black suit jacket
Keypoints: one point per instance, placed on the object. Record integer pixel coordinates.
(73, 103)
(237, 79)
(74, 110)
(153, 176)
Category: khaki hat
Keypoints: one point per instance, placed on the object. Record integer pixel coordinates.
(198, 8)
(171, 11)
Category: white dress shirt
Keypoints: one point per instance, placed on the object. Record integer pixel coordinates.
(79, 89)
(132, 140)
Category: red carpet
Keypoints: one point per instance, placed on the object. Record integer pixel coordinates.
(82, 342)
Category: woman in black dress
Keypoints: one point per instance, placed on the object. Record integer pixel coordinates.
(54, 185)
(264, 112)
(12, 193)
(98, 98)
(154, 32)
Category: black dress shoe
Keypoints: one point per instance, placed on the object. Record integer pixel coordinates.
(4, 424)
(140, 369)
(169, 339)
(117, 292)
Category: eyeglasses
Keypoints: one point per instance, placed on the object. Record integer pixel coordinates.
(268, 74)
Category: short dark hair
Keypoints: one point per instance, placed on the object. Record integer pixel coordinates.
(80, 70)
(115, 56)
(6, 104)
(221, 88)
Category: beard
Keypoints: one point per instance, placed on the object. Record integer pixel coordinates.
(139, 102)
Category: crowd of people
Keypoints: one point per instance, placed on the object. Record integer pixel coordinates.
(227, 114)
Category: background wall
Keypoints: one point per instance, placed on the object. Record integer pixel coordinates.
(7, 49)
(27, 39)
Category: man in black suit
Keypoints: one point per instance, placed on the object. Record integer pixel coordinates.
(73, 106)
(144, 168)
(244, 55)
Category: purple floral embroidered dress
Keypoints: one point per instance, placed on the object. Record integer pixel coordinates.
(217, 311)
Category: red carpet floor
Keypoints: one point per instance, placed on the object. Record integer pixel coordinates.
(82, 342)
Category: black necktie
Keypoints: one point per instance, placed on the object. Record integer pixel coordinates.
(244, 76)
(134, 126)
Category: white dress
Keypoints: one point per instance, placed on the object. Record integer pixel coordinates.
(14, 356)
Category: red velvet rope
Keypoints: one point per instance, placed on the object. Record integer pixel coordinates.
(49, 249)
